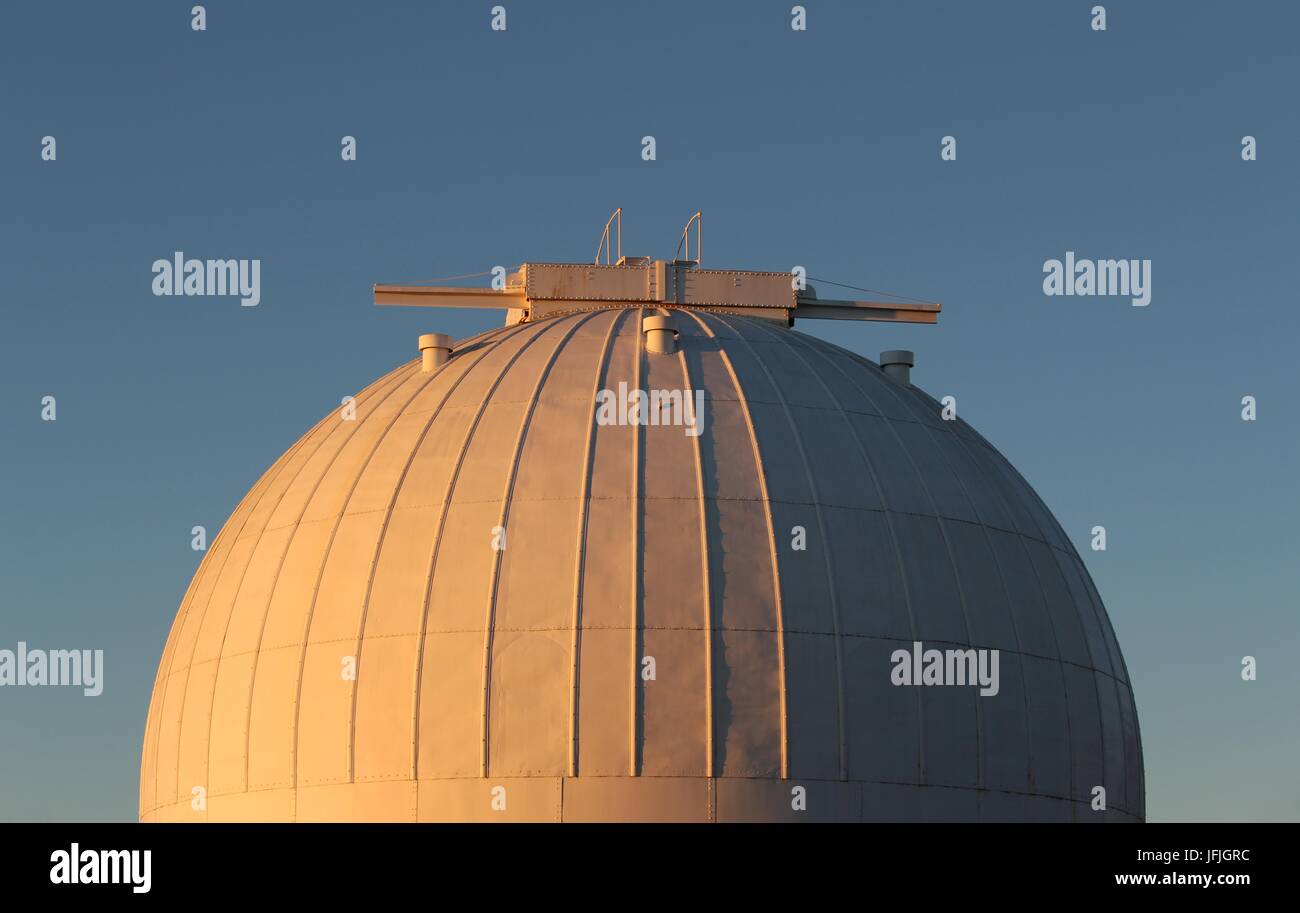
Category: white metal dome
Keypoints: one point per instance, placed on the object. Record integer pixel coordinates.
(507, 683)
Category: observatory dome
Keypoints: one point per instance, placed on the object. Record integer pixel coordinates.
(471, 597)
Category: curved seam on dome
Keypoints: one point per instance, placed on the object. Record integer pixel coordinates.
(397, 380)
(186, 603)
(934, 515)
(1011, 614)
(1141, 762)
(809, 632)
(1069, 563)
(329, 548)
(461, 345)
(1071, 751)
(537, 331)
(833, 349)
(841, 714)
(773, 557)
(1002, 495)
(1114, 658)
(153, 718)
(494, 583)
(943, 532)
(269, 477)
(1123, 747)
(1080, 571)
(970, 435)
(635, 708)
(454, 385)
(248, 721)
(1015, 628)
(1127, 684)
(1011, 486)
(1087, 648)
(259, 488)
(1018, 479)
(493, 340)
(893, 538)
(1065, 683)
(811, 407)
(1110, 643)
(435, 546)
(1006, 592)
(580, 556)
(1108, 629)
(957, 574)
(389, 389)
(706, 582)
(250, 502)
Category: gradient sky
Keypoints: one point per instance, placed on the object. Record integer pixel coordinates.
(821, 148)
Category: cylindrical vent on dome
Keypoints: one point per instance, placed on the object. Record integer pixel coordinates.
(660, 334)
(897, 365)
(435, 349)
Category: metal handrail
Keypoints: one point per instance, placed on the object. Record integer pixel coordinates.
(604, 238)
(698, 219)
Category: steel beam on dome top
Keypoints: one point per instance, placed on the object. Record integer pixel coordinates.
(890, 311)
(447, 296)
(539, 290)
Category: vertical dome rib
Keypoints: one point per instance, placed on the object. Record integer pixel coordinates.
(490, 622)
(1094, 669)
(1115, 659)
(830, 353)
(710, 646)
(761, 477)
(580, 553)
(149, 770)
(380, 442)
(381, 394)
(220, 568)
(457, 374)
(1120, 687)
(824, 541)
(154, 722)
(790, 341)
(249, 507)
(902, 569)
(226, 629)
(530, 336)
(1063, 661)
(307, 546)
(636, 704)
(351, 488)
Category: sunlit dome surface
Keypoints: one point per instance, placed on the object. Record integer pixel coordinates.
(507, 684)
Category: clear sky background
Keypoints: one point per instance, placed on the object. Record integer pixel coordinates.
(819, 148)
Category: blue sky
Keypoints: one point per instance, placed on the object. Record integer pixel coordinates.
(819, 148)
